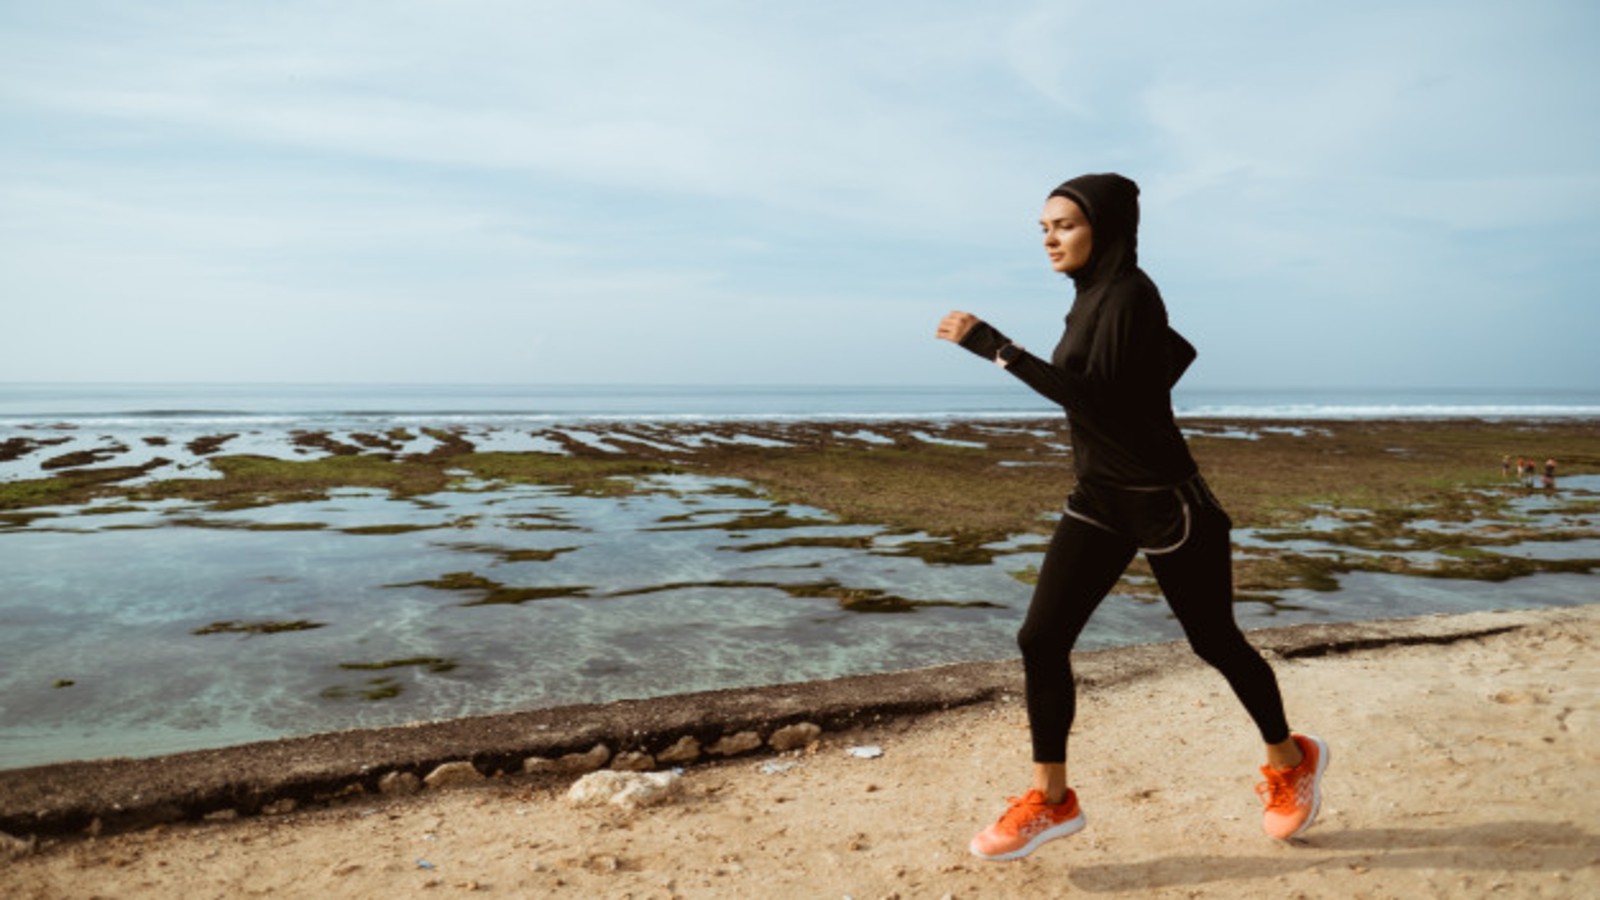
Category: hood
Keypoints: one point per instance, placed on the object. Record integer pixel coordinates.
(1111, 203)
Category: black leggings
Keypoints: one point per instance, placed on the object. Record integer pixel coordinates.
(1081, 566)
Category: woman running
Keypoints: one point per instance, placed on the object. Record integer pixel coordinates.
(1138, 488)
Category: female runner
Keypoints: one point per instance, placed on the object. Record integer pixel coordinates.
(1138, 488)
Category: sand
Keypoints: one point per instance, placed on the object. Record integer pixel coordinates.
(1459, 769)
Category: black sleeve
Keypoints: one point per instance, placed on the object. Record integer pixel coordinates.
(1054, 384)
(1133, 354)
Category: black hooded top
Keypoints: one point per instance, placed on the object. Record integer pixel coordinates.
(1115, 366)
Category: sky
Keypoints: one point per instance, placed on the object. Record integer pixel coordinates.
(1360, 194)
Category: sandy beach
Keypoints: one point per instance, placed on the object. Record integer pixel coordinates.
(1464, 763)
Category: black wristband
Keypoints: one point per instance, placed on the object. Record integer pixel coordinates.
(984, 340)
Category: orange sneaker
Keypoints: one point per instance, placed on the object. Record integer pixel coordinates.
(1292, 797)
(1026, 824)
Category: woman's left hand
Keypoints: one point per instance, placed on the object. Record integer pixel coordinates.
(955, 326)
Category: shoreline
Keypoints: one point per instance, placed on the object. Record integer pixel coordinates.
(1464, 764)
(60, 800)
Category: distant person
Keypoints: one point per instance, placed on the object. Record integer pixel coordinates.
(1505, 467)
(1138, 488)
(1550, 474)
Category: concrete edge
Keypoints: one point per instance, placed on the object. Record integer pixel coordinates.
(122, 794)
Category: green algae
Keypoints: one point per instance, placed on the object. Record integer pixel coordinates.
(381, 688)
(71, 488)
(23, 520)
(237, 525)
(512, 596)
(454, 581)
(237, 627)
(757, 521)
(433, 664)
(512, 554)
(386, 687)
(389, 529)
(862, 600)
(205, 446)
(846, 542)
(959, 550)
(259, 480)
(81, 458)
(495, 593)
(113, 510)
(18, 447)
(874, 600)
(586, 475)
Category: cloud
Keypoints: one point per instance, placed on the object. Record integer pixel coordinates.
(771, 181)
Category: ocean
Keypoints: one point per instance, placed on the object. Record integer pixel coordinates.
(313, 405)
(124, 626)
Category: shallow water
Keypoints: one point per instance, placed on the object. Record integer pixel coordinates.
(654, 595)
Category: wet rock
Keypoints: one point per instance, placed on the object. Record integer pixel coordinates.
(453, 774)
(12, 848)
(793, 737)
(578, 763)
(571, 764)
(629, 790)
(743, 742)
(399, 784)
(633, 762)
(686, 750)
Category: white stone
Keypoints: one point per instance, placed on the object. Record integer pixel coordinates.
(793, 737)
(633, 762)
(399, 783)
(686, 750)
(869, 752)
(11, 847)
(629, 790)
(743, 742)
(453, 774)
(571, 764)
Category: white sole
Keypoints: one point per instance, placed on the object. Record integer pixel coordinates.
(1069, 827)
(1316, 786)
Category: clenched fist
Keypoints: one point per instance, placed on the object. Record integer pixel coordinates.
(955, 326)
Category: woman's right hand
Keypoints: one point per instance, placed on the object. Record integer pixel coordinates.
(955, 326)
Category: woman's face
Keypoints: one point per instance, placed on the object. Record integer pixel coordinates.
(1067, 237)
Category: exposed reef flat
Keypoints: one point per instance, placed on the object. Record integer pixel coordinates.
(1384, 491)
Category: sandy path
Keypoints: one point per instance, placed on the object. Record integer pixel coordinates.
(1468, 769)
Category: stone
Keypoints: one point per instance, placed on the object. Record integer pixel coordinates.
(686, 750)
(397, 784)
(633, 762)
(579, 763)
(629, 790)
(794, 737)
(453, 774)
(743, 742)
(279, 807)
(13, 847)
(221, 815)
(571, 764)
